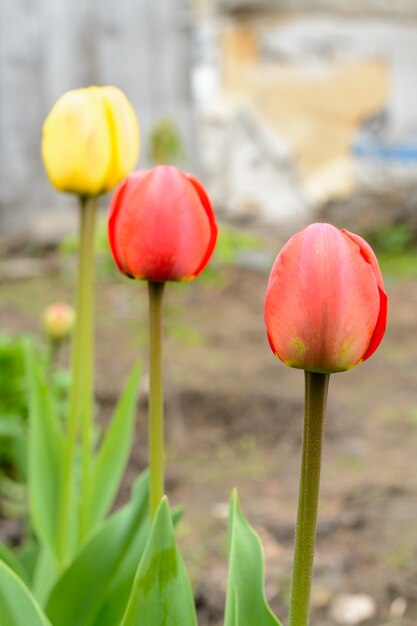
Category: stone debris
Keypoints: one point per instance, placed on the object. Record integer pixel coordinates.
(351, 609)
(220, 510)
(398, 607)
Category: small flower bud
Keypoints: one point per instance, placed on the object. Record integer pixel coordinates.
(57, 321)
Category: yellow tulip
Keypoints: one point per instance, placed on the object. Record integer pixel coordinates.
(90, 140)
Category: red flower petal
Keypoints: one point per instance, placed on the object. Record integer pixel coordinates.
(322, 306)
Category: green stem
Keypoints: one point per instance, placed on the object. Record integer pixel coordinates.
(156, 397)
(51, 356)
(81, 365)
(87, 299)
(316, 386)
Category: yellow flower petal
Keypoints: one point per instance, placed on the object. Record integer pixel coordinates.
(90, 140)
(76, 144)
(124, 133)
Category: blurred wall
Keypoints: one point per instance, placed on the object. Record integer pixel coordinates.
(50, 46)
(386, 7)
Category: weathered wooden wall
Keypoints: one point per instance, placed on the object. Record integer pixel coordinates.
(50, 46)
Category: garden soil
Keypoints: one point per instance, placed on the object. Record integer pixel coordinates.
(234, 419)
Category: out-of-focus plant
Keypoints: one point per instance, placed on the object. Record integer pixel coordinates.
(393, 238)
(14, 401)
(234, 246)
(165, 143)
(58, 321)
(14, 411)
(57, 324)
(13, 408)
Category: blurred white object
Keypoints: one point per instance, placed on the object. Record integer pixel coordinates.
(398, 607)
(351, 609)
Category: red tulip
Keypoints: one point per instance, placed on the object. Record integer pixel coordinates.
(325, 306)
(162, 225)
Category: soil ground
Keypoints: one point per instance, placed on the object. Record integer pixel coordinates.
(234, 419)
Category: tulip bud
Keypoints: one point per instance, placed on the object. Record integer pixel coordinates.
(57, 321)
(90, 140)
(325, 306)
(161, 225)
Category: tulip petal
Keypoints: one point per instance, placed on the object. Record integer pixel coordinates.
(208, 207)
(114, 224)
(161, 226)
(322, 303)
(76, 144)
(369, 256)
(124, 135)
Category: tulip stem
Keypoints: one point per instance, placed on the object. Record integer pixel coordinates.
(80, 395)
(87, 306)
(316, 386)
(156, 396)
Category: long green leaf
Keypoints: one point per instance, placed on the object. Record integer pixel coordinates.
(45, 453)
(246, 604)
(113, 455)
(109, 557)
(118, 593)
(17, 606)
(161, 594)
(44, 575)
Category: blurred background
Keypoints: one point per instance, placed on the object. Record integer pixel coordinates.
(290, 111)
(283, 106)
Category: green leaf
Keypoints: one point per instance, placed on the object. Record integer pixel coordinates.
(45, 454)
(17, 606)
(113, 455)
(9, 558)
(246, 604)
(28, 554)
(161, 594)
(118, 593)
(44, 575)
(108, 561)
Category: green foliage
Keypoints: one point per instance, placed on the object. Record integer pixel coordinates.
(17, 605)
(46, 450)
(165, 143)
(403, 264)
(392, 239)
(45, 454)
(232, 242)
(10, 559)
(13, 408)
(232, 246)
(396, 248)
(12, 376)
(245, 601)
(94, 590)
(113, 455)
(161, 593)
